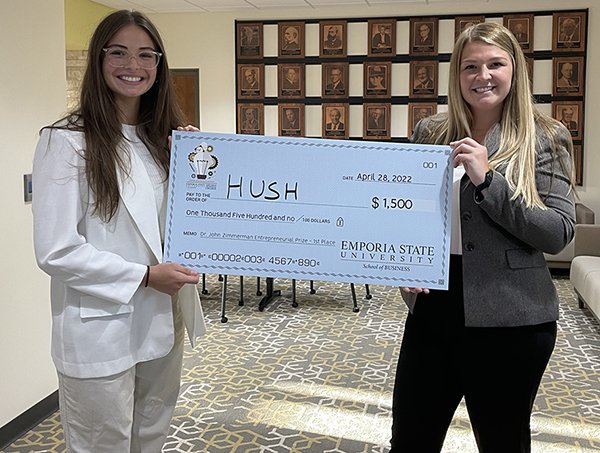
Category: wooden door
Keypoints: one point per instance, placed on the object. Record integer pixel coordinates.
(186, 83)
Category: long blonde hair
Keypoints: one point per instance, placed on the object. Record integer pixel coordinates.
(518, 138)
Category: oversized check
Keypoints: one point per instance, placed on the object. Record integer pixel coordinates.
(313, 209)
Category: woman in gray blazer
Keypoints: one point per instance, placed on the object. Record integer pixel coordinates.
(489, 337)
(99, 215)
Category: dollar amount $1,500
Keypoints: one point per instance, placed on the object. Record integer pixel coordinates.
(391, 203)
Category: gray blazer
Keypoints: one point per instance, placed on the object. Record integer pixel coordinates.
(505, 278)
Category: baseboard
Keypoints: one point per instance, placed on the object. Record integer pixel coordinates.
(28, 419)
(560, 271)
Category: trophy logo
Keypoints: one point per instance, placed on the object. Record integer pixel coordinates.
(202, 161)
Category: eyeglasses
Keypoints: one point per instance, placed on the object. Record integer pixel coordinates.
(117, 57)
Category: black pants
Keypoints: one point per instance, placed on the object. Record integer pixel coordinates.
(497, 369)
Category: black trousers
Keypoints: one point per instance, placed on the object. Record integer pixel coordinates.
(496, 369)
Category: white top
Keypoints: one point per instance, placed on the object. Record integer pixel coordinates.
(155, 174)
(455, 240)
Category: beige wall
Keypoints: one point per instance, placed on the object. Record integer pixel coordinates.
(32, 93)
(81, 19)
(206, 41)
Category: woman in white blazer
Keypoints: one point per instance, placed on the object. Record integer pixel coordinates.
(117, 310)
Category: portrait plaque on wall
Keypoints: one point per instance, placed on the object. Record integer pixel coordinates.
(249, 40)
(335, 120)
(570, 114)
(291, 120)
(347, 46)
(291, 39)
(417, 112)
(377, 79)
(250, 119)
(423, 36)
(568, 31)
(382, 37)
(251, 81)
(333, 38)
(463, 22)
(334, 80)
(376, 119)
(291, 80)
(423, 79)
(578, 158)
(521, 26)
(567, 79)
(530, 62)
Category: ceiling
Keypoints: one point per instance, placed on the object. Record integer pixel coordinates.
(204, 6)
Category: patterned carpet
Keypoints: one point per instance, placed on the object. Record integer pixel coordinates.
(318, 378)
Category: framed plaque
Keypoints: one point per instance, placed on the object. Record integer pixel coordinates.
(423, 36)
(291, 120)
(376, 119)
(250, 119)
(333, 37)
(521, 26)
(377, 79)
(382, 37)
(568, 31)
(335, 120)
(291, 39)
(334, 80)
(570, 114)
(567, 77)
(249, 40)
(291, 80)
(417, 112)
(578, 159)
(463, 22)
(251, 81)
(530, 65)
(423, 79)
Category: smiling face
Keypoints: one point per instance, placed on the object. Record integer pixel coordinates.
(567, 114)
(422, 74)
(131, 81)
(568, 26)
(376, 80)
(248, 33)
(422, 113)
(249, 76)
(292, 75)
(290, 35)
(336, 75)
(485, 78)
(566, 70)
(334, 115)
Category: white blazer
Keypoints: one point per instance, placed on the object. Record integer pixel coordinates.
(104, 322)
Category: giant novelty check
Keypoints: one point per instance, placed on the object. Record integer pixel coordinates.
(313, 209)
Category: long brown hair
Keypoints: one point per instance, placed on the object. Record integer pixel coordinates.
(97, 115)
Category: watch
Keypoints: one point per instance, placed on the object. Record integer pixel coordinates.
(484, 185)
